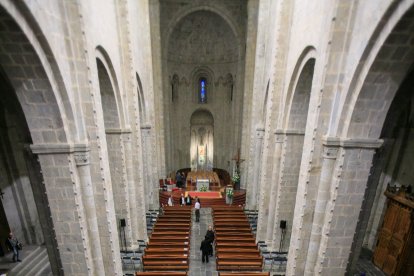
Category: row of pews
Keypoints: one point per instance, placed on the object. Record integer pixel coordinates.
(236, 248)
(168, 249)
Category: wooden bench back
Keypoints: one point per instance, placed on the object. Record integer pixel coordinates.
(161, 273)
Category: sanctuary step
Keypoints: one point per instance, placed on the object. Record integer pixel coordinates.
(239, 199)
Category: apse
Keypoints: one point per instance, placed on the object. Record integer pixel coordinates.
(202, 134)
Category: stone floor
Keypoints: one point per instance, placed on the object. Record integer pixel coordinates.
(198, 231)
(365, 266)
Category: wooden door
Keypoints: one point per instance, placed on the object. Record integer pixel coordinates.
(392, 238)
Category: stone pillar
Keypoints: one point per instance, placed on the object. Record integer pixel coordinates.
(271, 226)
(150, 192)
(120, 187)
(323, 195)
(342, 198)
(132, 193)
(66, 175)
(288, 176)
(42, 205)
(81, 156)
(258, 144)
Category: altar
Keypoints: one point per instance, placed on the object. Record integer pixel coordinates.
(198, 179)
(202, 183)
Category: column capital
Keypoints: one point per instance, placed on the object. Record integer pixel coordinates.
(56, 148)
(117, 130)
(146, 126)
(360, 143)
(260, 131)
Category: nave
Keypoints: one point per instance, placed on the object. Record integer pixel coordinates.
(235, 247)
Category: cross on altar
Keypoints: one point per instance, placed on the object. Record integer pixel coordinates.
(238, 161)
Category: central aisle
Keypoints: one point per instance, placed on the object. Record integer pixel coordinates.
(198, 231)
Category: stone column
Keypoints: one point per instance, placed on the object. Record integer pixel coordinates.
(271, 226)
(120, 187)
(258, 144)
(66, 175)
(150, 192)
(288, 176)
(343, 195)
(323, 195)
(132, 193)
(81, 156)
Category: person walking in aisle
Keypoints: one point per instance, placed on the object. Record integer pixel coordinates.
(210, 238)
(205, 247)
(197, 207)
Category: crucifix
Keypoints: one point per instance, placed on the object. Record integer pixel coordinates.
(238, 161)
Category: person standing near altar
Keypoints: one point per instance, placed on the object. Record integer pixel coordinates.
(170, 201)
(182, 200)
(197, 207)
(188, 200)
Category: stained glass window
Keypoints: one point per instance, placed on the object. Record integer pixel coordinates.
(203, 91)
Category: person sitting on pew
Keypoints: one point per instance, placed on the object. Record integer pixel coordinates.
(210, 237)
(182, 200)
(205, 247)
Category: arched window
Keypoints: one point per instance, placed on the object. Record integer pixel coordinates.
(202, 98)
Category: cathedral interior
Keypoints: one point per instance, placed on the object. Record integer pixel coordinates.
(299, 116)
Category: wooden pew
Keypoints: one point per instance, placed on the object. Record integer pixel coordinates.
(168, 244)
(236, 239)
(240, 257)
(173, 224)
(171, 219)
(161, 273)
(170, 239)
(231, 250)
(236, 245)
(171, 233)
(167, 251)
(244, 273)
(231, 224)
(161, 266)
(247, 265)
(234, 234)
(219, 229)
(165, 258)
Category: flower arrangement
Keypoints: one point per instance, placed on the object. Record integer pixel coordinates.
(235, 178)
(203, 188)
(229, 193)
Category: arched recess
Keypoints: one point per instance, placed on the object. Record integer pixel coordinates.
(105, 67)
(202, 138)
(114, 128)
(203, 72)
(291, 156)
(203, 8)
(214, 48)
(35, 108)
(379, 106)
